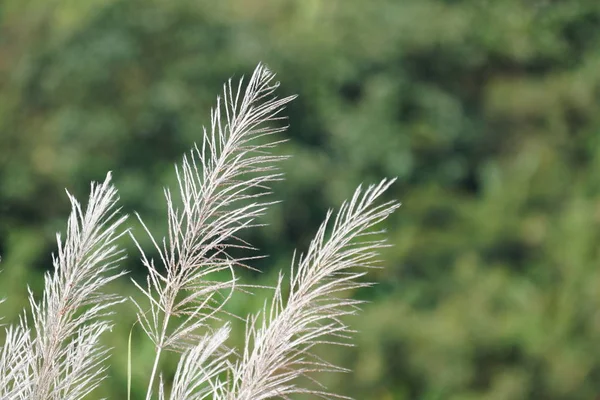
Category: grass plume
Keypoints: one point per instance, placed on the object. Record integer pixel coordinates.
(223, 188)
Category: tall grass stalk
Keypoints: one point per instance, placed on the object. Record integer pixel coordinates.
(54, 351)
(58, 356)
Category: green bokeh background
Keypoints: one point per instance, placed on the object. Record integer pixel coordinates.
(487, 111)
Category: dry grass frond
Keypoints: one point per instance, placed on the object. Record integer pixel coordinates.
(222, 185)
(278, 349)
(59, 357)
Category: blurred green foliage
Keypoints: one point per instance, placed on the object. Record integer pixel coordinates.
(487, 111)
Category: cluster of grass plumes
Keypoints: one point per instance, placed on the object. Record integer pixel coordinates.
(54, 351)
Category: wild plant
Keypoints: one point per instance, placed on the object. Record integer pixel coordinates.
(223, 186)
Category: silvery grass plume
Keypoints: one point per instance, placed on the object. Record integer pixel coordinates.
(278, 349)
(14, 360)
(222, 184)
(59, 357)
